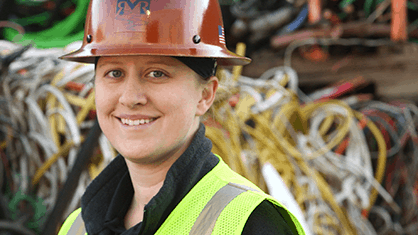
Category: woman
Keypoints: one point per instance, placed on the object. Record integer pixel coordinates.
(155, 66)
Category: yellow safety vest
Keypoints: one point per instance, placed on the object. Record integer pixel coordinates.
(220, 203)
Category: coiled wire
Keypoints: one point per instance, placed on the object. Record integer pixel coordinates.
(320, 149)
(43, 120)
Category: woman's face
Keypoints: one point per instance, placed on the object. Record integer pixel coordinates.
(149, 106)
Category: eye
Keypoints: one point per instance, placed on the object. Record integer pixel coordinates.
(156, 74)
(115, 74)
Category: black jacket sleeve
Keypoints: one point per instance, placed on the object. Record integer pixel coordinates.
(266, 219)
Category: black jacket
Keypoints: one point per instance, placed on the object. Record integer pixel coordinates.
(108, 197)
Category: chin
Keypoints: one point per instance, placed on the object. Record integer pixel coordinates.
(141, 155)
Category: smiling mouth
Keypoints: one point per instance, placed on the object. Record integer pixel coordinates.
(138, 122)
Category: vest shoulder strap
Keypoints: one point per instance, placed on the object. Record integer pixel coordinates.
(220, 203)
(73, 225)
(208, 217)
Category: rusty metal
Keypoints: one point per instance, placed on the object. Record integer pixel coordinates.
(398, 31)
(314, 15)
(347, 30)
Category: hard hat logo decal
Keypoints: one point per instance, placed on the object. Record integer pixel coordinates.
(126, 5)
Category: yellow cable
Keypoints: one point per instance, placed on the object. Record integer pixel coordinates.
(274, 143)
(57, 78)
(327, 194)
(3, 144)
(236, 71)
(343, 129)
(51, 102)
(61, 123)
(94, 170)
(381, 161)
(45, 167)
(265, 137)
(326, 124)
(75, 100)
(81, 115)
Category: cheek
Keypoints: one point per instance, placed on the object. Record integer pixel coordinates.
(105, 99)
(180, 101)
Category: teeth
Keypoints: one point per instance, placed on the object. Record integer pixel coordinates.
(136, 122)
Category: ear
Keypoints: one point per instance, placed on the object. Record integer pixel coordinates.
(208, 95)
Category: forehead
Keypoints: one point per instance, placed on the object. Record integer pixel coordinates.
(138, 60)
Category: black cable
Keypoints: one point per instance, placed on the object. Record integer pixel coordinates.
(67, 192)
(4, 212)
(5, 6)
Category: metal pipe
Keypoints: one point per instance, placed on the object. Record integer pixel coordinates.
(398, 31)
(314, 15)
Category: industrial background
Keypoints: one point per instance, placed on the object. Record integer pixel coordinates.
(324, 118)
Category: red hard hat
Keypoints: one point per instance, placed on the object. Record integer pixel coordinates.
(192, 28)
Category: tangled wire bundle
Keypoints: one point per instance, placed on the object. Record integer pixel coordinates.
(46, 109)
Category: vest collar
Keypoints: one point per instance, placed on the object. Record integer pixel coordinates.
(108, 197)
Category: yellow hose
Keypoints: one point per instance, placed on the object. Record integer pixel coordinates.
(45, 167)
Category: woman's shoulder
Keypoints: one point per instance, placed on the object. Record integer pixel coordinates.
(268, 219)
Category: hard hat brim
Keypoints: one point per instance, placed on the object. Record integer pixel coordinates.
(224, 57)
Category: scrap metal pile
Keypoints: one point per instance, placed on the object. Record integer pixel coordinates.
(348, 165)
(343, 163)
(279, 23)
(348, 162)
(46, 112)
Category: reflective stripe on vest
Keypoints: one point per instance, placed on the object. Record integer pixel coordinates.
(77, 228)
(206, 221)
(73, 225)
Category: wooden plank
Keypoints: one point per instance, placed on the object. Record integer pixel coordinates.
(394, 70)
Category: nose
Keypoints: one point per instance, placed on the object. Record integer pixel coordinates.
(133, 93)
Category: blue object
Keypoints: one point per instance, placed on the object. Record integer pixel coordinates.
(300, 19)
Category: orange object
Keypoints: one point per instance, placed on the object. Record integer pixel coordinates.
(362, 123)
(398, 31)
(343, 87)
(315, 53)
(233, 100)
(192, 28)
(92, 114)
(365, 213)
(22, 72)
(314, 11)
(332, 17)
(74, 86)
(342, 147)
